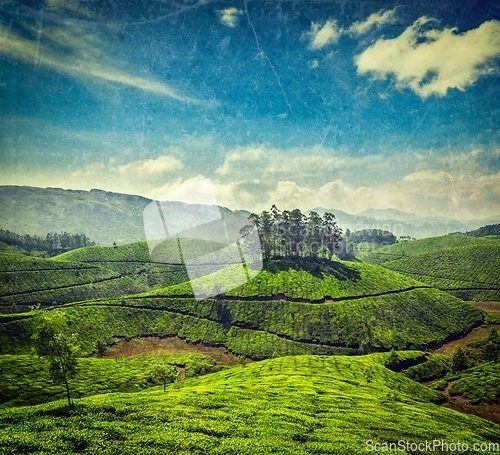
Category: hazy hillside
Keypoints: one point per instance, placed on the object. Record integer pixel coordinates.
(107, 217)
(102, 216)
(402, 223)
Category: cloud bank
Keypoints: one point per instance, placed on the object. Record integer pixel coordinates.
(462, 185)
(430, 62)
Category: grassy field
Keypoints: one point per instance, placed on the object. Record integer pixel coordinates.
(24, 379)
(311, 403)
(292, 405)
(306, 306)
(401, 249)
(464, 266)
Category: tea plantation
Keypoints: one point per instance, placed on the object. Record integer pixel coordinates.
(291, 405)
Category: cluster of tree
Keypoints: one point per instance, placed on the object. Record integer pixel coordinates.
(489, 352)
(377, 236)
(51, 244)
(490, 349)
(491, 229)
(292, 234)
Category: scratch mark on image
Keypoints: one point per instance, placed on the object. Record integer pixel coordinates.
(263, 54)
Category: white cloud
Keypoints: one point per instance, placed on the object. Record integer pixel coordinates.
(230, 16)
(151, 167)
(374, 20)
(235, 160)
(457, 185)
(430, 62)
(320, 36)
(83, 59)
(319, 163)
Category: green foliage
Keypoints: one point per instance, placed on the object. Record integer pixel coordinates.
(459, 360)
(478, 384)
(490, 229)
(373, 236)
(440, 384)
(435, 366)
(100, 348)
(29, 281)
(417, 365)
(292, 405)
(52, 342)
(293, 234)
(310, 280)
(262, 329)
(489, 346)
(163, 373)
(467, 267)
(24, 379)
(51, 244)
(392, 360)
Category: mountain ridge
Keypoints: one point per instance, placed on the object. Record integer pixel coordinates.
(107, 217)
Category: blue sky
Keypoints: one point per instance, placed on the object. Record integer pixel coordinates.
(348, 105)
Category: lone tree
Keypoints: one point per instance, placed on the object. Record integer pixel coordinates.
(163, 373)
(459, 360)
(52, 342)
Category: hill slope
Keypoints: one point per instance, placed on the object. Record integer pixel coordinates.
(306, 306)
(292, 405)
(27, 281)
(464, 266)
(32, 384)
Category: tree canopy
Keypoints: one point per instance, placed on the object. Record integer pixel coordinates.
(292, 234)
(52, 342)
(51, 244)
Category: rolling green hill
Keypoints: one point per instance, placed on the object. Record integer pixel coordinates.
(478, 384)
(267, 328)
(307, 306)
(27, 281)
(464, 266)
(307, 280)
(291, 405)
(139, 252)
(24, 378)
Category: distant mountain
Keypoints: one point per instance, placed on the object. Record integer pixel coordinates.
(103, 216)
(107, 217)
(393, 214)
(403, 223)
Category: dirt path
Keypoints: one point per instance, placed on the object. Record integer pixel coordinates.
(492, 308)
(172, 345)
(479, 332)
(461, 404)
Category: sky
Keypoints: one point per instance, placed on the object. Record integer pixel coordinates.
(337, 104)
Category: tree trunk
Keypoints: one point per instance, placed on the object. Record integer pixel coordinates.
(67, 392)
